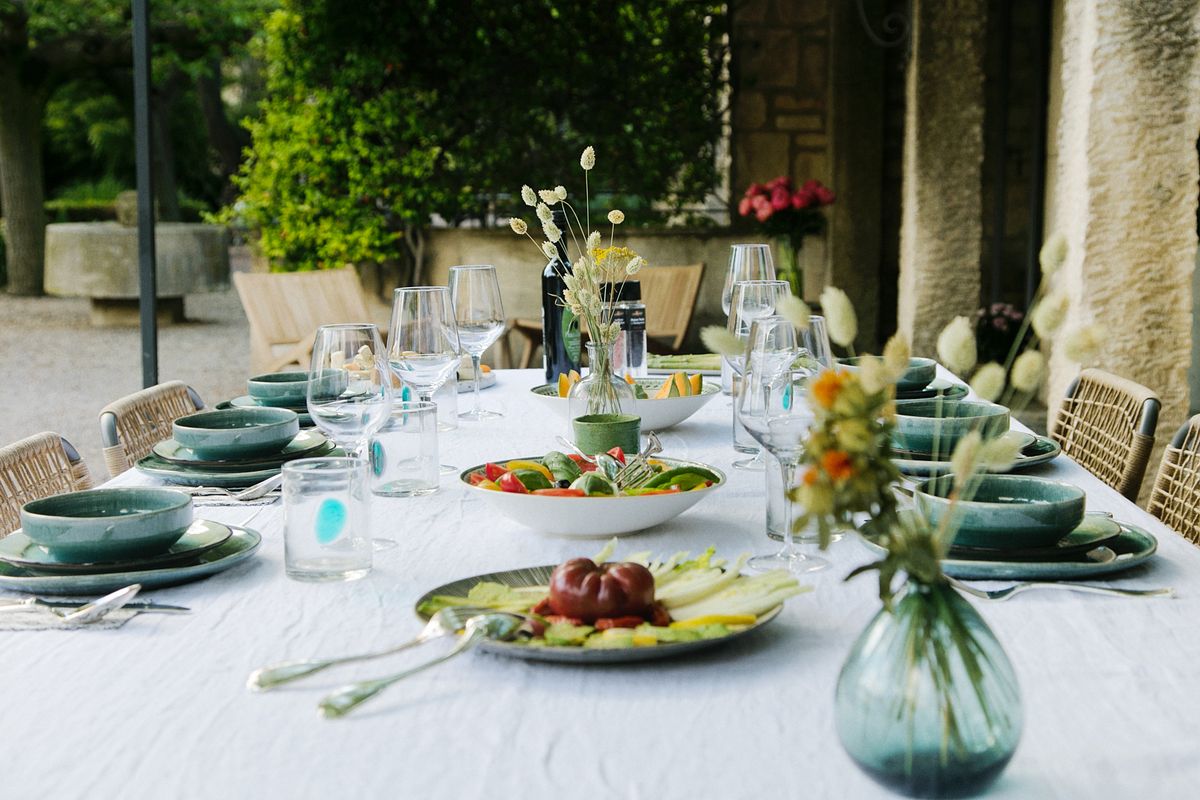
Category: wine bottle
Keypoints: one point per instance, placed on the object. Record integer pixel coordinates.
(560, 327)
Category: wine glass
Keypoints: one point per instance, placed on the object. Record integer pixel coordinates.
(475, 292)
(423, 346)
(751, 300)
(816, 342)
(349, 394)
(774, 409)
(747, 262)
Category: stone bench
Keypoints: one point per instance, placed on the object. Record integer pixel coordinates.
(99, 260)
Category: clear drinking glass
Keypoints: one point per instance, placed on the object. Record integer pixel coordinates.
(423, 345)
(404, 452)
(350, 391)
(747, 262)
(816, 341)
(751, 300)
(325, 519)
(475, 292)
(773, 406)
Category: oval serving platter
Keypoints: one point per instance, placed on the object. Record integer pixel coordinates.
(540, 576)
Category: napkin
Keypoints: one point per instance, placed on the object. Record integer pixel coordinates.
(40, 618)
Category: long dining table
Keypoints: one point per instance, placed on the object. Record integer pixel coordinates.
(159, 707)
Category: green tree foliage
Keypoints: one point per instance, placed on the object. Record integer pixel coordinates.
(380, 116)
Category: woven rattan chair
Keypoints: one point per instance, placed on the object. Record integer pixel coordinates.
(286, 308)
(1106, 423)
(37, 467)
(1176, 496)
(131, 426)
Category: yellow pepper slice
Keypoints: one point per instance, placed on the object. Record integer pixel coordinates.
(491, 486)
(518, 464)
(644, 640)
(716, 619)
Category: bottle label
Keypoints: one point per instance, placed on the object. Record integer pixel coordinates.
(570, 335)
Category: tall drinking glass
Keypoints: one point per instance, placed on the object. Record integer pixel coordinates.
(773, 406)
(751, 300)
(350, 389)
(423, 345)
(747, 262)
(475, 292)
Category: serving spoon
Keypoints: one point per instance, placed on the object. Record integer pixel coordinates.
(498, 626)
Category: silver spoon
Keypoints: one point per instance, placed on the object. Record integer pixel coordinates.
(98, 609)
(498, 625)
(443, 623)
(260, 489)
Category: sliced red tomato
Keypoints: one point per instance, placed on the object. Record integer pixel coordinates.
(493, 471)
(509, 482)
(556, 492)
(618, 454)
(475, 478)
(604, 623)
(584, 466)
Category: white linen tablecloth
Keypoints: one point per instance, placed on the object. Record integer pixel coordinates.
(159, 708)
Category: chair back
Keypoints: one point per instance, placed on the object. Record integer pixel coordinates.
(131, 426)
(1107, 424)
(286, 308)
(670, 297)
(1176, 496)
(42, 465)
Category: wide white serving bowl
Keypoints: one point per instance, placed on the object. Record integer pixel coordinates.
(588, 517)
(656, 415)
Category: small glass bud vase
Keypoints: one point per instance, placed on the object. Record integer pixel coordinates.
(927, 703)
(600, 391)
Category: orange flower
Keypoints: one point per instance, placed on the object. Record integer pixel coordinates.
(810, 476)
(827, 387)
(837, 464)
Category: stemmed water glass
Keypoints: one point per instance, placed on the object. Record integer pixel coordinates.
(774, 409)
(750, 300)
(475, 292)
(350, 389)
(747, 262)
(816, 341)
(423, 346)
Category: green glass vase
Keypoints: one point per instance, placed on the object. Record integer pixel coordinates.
(927, 702)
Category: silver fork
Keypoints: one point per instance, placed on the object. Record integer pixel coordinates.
(638, 469)
(1017, 588)
(443, 623)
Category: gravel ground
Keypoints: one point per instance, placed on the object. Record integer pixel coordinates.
(60, 371)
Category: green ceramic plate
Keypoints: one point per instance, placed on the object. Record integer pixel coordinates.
(225, 479)
(1025, 439)
(246, 401)
(203, 535)
(1040, 451)
(238, 548)
(1092, 532)
(540, 576)
(1132, 547)
(950, 390)
(305, 443)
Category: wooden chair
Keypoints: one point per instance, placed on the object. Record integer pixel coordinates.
(131, 426)
(670, 297)
(1176, 496)
(40, 466)
(1107, 424)
(286, 308)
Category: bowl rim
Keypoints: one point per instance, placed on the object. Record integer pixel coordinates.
(277, 378)
(283, 417)
(173, 501)
(1003, 478)
(993, 409)
(705, 391)
(462, 477)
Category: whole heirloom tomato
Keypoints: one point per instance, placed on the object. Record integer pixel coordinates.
(581, 589)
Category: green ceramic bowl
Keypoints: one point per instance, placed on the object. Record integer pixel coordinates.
(920, 372)
(237, 432)
(108, 524)
(290, 389)
(925, 424)
(597, 433)
(1006, 511)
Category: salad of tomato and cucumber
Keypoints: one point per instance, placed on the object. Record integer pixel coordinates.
(639, 602)
(558, 474)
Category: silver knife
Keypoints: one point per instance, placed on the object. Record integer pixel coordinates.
(148, 606)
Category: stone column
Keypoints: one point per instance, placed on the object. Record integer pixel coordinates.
(941, 218)
(1125, 112)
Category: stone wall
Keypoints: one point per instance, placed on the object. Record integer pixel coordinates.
(1125, 112)
(941, 223)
